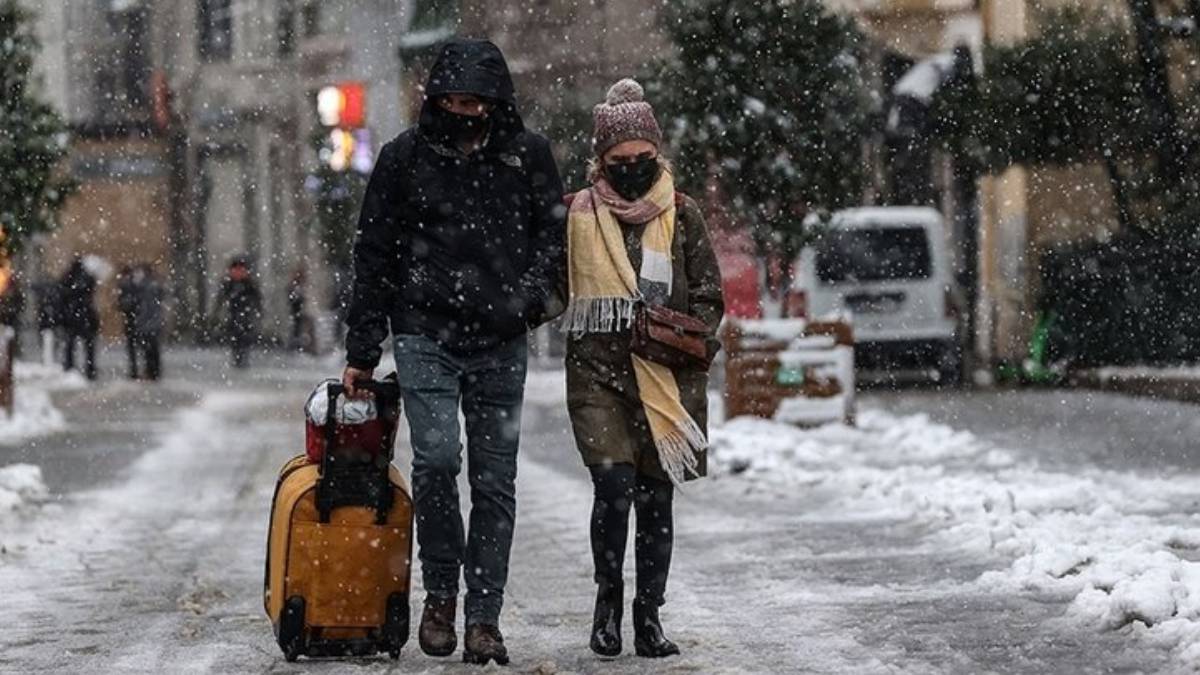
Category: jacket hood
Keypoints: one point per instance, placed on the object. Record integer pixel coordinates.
(474, 67)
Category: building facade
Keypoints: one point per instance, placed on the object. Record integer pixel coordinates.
(95, 68)
(198, 134)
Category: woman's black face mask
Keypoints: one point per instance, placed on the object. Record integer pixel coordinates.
(452, 127)
(633, 179)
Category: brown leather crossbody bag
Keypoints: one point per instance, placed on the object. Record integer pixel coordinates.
(669, 338)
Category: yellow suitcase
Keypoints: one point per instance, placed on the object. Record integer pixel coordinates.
(339, 552)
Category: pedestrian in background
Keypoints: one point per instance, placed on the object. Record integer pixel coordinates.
(241, 300)
(148, 319)
(639, 425)
(80, 319)
(127, 304)
(46, 293)
(301, 325)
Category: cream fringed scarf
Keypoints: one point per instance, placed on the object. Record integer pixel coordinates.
(604, 290)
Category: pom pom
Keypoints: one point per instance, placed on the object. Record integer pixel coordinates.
(625, 91)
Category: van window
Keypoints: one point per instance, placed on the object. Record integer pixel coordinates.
(881, 254)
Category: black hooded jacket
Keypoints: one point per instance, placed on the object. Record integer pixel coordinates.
(459, 248)
(77, 300)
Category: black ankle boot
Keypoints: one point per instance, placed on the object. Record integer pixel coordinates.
(606, 620)
(648, 638)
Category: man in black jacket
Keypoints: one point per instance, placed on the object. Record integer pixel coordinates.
(80, 319)
(460, 237)
(241, 300)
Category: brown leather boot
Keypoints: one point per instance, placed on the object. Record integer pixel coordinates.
(484, 643)
(436, 634)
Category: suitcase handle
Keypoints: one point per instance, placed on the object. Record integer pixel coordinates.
(387, 393)
(387, 390)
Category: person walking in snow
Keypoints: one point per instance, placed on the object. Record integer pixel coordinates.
(47, 292)
(242, 302)
(148, 319)
(641, 427)
(79, 317)
(459, 243)
(127, 304)
(300, 338)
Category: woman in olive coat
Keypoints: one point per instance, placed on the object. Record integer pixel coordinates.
(640, 427)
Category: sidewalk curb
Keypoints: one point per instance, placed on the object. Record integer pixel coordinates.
(1162, 386)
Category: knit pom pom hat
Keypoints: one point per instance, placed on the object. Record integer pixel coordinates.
(624, 116)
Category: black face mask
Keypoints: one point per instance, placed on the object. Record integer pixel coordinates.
(451, 127)
(633, 179)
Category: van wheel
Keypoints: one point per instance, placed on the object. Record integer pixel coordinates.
(950, 366)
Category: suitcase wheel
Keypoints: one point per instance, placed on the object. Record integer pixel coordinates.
(396, 626)
(291, 628)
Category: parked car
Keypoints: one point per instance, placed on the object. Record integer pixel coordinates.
(889, 269)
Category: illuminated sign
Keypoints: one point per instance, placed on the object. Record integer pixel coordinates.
(342, 105)
(348, 150)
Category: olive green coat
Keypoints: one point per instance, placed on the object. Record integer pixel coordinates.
(602, 394)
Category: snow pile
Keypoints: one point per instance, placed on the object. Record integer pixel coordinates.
(34, 413)
(1116, 545)
(1130, 563)
(21, 486)
(835, 453)
(49, 377)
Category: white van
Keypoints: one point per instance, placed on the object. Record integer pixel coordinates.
(889, 269)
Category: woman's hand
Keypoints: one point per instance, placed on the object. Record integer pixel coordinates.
(352, 375)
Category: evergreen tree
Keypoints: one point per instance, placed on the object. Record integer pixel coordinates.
(769, 96)
(32, 136)
(337, 196)
(1069, 94)
(1075, 93)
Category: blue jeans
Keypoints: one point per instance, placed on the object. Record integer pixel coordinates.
(489, 386)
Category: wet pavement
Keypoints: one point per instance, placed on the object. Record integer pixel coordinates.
(1065, 427)
(152, 559)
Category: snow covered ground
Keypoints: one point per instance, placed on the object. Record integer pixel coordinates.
(899, 546)
(22, 488)
(1122, 547)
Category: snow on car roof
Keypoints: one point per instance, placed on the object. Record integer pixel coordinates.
(886, 216)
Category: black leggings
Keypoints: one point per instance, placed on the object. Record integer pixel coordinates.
(617, 487)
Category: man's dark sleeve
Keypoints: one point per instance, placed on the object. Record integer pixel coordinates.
(376, 248)
(547, 231)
